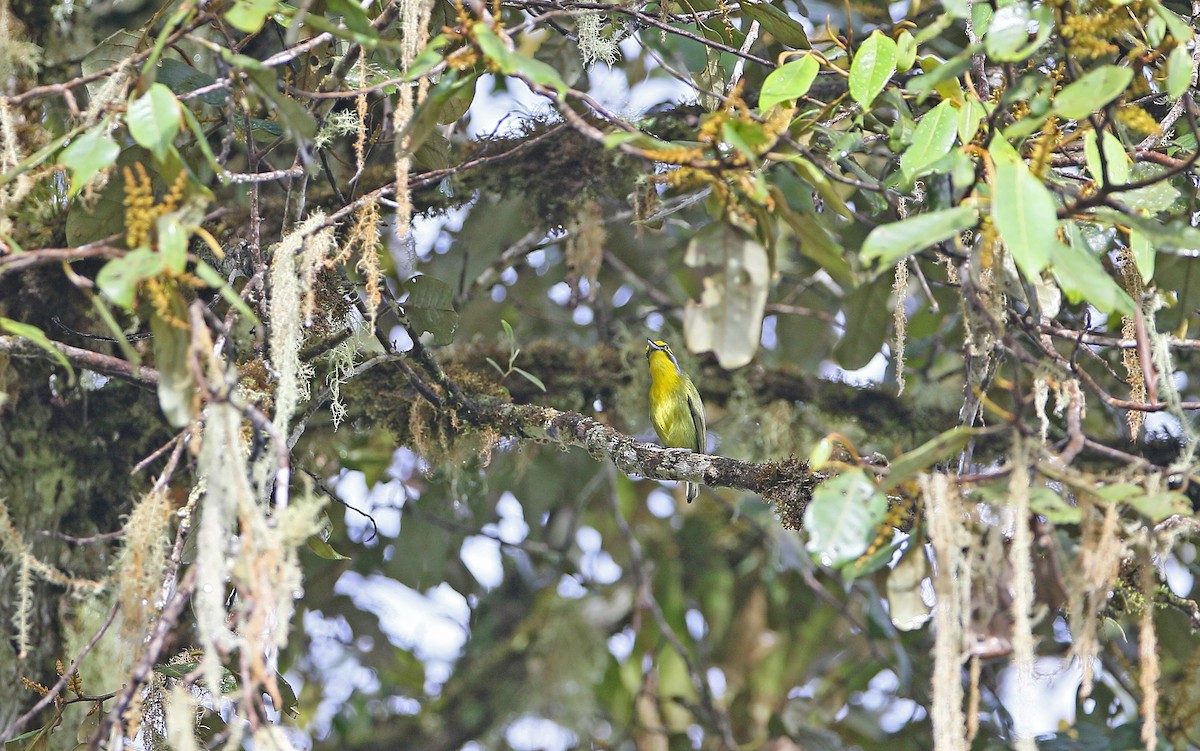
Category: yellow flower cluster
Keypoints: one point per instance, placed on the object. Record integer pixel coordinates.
(141, 210)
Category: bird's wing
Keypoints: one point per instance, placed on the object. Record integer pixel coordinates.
(696, 407)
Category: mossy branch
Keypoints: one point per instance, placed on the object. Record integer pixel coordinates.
(788, 483)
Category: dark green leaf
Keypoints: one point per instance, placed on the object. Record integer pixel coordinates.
(182, 78)
(780, 25)
(430, 308)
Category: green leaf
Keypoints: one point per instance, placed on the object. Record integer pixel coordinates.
(872, 68)
(176, 389)
(1023, 211)
(530, 377)
(889, 244)
(119, 278)
(1159, 506)
(931, 140)
(1180, 29)
(88, 154)
(153, 119)
(324, 549)
(1083, 279)
(906, 51)
(182, 78)
(970, 115)
(780, 25)
(867, 323)
(112, 51)
(842, 517)
(815, 241)
(513, 63)
(1091, 92)
(38, 337)
(172, 242)
(1143, 253)
(1179, 72)
(1053, 506)
(428, 58)
(1115, 158)
(1008, 31)
(939, 448)
(248, 16)
(430, 308)
(788, 82)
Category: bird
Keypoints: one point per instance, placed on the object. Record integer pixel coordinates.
(675, 407)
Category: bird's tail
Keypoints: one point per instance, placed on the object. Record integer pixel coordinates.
(693, 491)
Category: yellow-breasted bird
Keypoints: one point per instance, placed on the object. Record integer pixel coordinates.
(675, 406)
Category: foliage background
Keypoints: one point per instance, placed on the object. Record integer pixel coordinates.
(322, 374)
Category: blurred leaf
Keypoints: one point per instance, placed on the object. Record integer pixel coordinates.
(1023, 210)
(1179, 28)
(1007, 37)
(38, 337)
(1143, 254)
(153, 120)
(172, 344)
(248, 16)
(214, 279)
(114, 50)
(1046, 502)
(430, 308)
(728, 318)
(938, 449)
(842, 518)
(1180, 70)
(789, 31)
(512, 63)
(324, 550)
(1115, 158)
(1159, 506)
(889, 244)
(1092, 91)
(867, 322)
(182, 78)
(120, 277)
(88, 154)
(931, 140)
(788, 82)
(1083, 279)
(906, 51)
(873, 66)
(172, 242)
(970, 115)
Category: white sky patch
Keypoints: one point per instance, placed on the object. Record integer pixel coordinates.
(530, 733)
(1052, 696)
(433, 625)
(481, 555)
